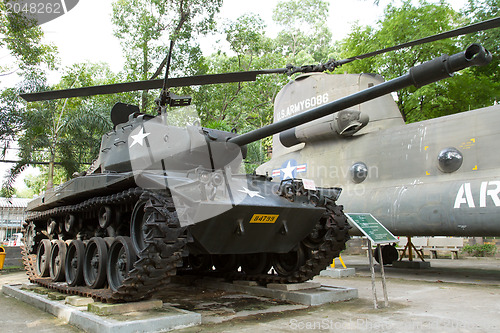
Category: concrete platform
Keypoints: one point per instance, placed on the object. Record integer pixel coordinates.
(164, 319)
(338, 272)
(411, 264)
(309, 295)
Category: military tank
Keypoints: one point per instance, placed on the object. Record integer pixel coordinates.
(167, 196)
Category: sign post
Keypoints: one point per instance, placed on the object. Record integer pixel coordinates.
(376, 234)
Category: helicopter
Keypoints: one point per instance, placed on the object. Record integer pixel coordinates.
(437, 177)
(161, 196)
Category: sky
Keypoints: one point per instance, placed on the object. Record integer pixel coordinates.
(85, 33)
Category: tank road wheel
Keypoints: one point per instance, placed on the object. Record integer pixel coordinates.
(256, 263)
(42, 258)
(138, 225)
(286, 264)
(94, 268)
(121, 260)
(57, 260)
(200, 262)
(75, 256)
(226, 262)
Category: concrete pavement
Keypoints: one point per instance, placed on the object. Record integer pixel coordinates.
(453, 296)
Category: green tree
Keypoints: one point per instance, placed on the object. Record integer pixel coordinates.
(64, 132)
(244, 106)
(23, 43)
(144, 27)
(304, 37)
(409, 22)
(27, 57)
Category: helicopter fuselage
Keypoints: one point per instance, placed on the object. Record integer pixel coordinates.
(435, 177)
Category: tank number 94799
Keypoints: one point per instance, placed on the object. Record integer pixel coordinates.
(264, 218)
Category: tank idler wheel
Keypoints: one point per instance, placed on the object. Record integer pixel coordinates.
(226, 262)
(286, 264)
(138, 226)
(57, 260)
(122, 257)
(256, 263)
(42, 258)
(94, 268)
(75, 258)
(200, 262)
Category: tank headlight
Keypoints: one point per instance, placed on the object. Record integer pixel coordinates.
(217, 179)
(204, 177)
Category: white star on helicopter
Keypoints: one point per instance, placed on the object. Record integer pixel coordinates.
(251, 193)
(288, 171)
(139, 138)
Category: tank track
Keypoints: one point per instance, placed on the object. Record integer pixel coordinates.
(155, 264)
(165, 242)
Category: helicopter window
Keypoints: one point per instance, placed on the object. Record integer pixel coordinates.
(450, 159)
(359, 172)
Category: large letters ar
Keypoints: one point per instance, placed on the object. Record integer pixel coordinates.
(487, 189)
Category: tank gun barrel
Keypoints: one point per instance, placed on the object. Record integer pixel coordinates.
(418, 76)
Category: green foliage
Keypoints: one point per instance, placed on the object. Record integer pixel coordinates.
(24, 43)
(480, 250)
(144, 27)
(304, 31)
(398, 26)
(67, 132)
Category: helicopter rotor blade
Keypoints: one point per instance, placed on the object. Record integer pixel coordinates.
(146, 85)
(244, 76)
(480, 26)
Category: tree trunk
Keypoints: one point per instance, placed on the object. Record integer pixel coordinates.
(50, 181)
(145, 67)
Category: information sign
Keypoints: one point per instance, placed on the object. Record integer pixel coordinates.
(371, 228)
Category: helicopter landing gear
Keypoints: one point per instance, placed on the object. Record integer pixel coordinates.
(389, 254)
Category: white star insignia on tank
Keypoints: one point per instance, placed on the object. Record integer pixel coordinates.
(251, 193)
(139, 138)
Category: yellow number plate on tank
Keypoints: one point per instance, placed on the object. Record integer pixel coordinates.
(264, 218)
